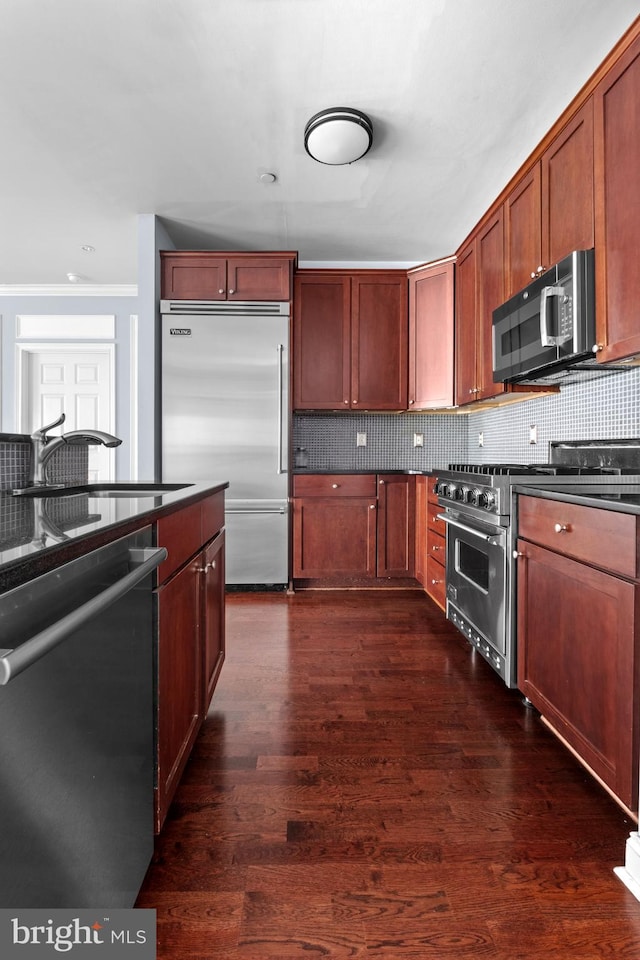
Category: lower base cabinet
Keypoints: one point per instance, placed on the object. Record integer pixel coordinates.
(578, 633)
(353, 526)
(190, 636)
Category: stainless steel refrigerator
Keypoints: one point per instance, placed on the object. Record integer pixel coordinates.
(225, 416)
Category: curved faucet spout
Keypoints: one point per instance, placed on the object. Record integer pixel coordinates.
(44, 446)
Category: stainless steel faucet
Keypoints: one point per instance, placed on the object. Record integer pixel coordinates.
(44, 446)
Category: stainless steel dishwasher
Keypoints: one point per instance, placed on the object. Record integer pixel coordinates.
(76, 730)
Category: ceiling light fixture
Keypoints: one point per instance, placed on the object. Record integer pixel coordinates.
(338, 135)
(88, 248)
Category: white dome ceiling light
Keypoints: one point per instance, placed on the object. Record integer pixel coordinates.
(339, 135)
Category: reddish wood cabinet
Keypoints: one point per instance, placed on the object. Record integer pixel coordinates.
(353, 526)
(617, 149)
(190, 635)
(350, 336)
(578, 632)
(431, 328)
(204, 275)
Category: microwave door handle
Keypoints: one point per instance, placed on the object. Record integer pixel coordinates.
(546, 339)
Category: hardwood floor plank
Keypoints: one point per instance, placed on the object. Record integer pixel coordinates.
(364, 786)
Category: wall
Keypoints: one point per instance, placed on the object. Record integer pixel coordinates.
(605, 409)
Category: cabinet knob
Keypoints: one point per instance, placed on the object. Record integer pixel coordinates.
(597, 347)
(205, 569)
(381, 482)
(345, 401)
(536, 273)
(411, 402)
(220, 291)
(231, 291)
(372, 506)
(562, 527)
(434, 582)
(335, 485)
(517, 553)
(435, 548)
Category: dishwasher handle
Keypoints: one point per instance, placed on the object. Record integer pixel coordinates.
(13, 662)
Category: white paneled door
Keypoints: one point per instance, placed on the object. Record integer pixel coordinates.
(76, 382)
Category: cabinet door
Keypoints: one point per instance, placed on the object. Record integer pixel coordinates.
(193, 276)
(490, 247)
(567, 189)
(379, 342)
(523, 231)
(431, 338)
(466, 308)
(422, 495)
(577, 660)
(334, 537)
(321, 343)
(253, 278)
(396, 525)
(617, 188)
(179, 680)
(212, 616)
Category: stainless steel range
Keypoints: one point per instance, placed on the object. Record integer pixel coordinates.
(478, 509)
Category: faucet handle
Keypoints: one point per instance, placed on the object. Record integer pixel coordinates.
(41, 433)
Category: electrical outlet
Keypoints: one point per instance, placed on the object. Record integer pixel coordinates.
(418, 439)
(361, 439)
(481, 439)
(533, 433)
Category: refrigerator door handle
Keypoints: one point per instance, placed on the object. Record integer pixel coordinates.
(280, 349)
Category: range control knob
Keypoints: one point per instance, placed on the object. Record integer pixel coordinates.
(489, 500)
(476, 496)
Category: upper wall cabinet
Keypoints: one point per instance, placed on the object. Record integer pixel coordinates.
(550, 211)
(431, 324)
(350, 340)
(617, 160)
(479, 290)
(203, 275)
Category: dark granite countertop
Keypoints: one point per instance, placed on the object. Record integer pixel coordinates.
(38, 534)
(623, 498)
(300, 471)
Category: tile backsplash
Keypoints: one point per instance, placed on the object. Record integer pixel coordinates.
(603, 409)
(69, 464)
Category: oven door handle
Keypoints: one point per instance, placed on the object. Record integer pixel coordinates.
(487, 537)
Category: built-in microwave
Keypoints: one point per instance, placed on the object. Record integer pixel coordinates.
(548, 329)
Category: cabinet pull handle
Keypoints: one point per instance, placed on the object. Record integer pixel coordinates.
(562, 527)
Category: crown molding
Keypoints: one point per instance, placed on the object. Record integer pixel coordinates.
(69, 290)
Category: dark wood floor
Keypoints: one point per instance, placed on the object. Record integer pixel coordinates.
(366, 787)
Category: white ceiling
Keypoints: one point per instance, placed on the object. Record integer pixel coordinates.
(112, 108)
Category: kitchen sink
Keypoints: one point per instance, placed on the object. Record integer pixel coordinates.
(105, 490)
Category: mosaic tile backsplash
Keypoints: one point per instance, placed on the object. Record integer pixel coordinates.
(70, 464)
(604, 409)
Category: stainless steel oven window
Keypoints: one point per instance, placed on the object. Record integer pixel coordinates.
(472, 564)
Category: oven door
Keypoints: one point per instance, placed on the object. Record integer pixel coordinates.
(477, 582)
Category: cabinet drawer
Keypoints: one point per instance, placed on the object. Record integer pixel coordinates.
(181, 534)
(603, 538)
(438, 526)
(212, 516)
(432, 496)
(437, 546)
(335, 485)
(436, 586)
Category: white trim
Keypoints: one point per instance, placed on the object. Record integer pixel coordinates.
(56, 327)
(630, 873)
(69, 290)
(134, 398)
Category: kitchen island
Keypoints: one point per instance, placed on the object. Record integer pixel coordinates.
(112, 619)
